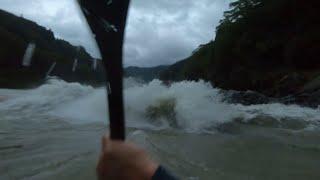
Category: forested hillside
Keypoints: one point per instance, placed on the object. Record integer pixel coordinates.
(146, 74)
(195, 67)
(15, 35)
(270, 46)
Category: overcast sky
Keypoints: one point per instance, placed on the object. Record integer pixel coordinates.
(158, 32)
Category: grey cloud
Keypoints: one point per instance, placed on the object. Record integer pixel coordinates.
(61, 16)
(165, 31)
(158, 31)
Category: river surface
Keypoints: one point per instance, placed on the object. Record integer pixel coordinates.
(54, 131)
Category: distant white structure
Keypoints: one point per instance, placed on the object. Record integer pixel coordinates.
(51, 69)
(109, 2)
(94, 64)
(75, 64)
(27, 58)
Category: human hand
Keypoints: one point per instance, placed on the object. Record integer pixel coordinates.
(124, 161)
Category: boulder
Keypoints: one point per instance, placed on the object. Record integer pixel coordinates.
(3, 98)
(245, 98)
(163, 108)
(308, 96)
(312, 86)
(289, 84)
(310, 100)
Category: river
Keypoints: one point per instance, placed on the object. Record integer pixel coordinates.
(54, 131)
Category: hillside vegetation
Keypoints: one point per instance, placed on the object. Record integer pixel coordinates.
(269, 46)
(15, 35)
(146, 74)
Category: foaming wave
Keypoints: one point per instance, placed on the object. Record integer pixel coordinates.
(87, 109)
(199, 106)
(193, 106)
(48, 96)
(281, 111)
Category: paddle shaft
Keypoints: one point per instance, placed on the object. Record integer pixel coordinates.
(107, 20)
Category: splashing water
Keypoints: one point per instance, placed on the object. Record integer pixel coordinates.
(198, 106)
(180, 125)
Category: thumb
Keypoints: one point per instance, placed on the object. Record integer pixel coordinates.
(102, 166)
(105, 143)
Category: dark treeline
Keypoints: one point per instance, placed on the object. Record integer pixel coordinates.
(145, 74)
(269, 46)
(15, 35)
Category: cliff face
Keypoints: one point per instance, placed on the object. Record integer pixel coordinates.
(269, 46)
(16, 33)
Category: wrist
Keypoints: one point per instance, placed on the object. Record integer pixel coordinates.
(150, 169)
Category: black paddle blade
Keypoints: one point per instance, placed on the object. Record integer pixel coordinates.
(107, 20)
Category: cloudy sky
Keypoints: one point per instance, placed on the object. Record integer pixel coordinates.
(158, 31)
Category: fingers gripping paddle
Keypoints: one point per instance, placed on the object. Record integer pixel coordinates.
(107, 20)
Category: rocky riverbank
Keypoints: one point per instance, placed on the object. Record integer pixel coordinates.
(308, 96)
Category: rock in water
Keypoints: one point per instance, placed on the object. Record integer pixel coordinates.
(312, 85)
(289, 84)
(164, 108)
(245, 98)
(3, 98)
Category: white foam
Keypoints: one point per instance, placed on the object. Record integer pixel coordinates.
(49, 96)
(280, 111)
(198, 104)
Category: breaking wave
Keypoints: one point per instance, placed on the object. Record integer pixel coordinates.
(188, 105)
